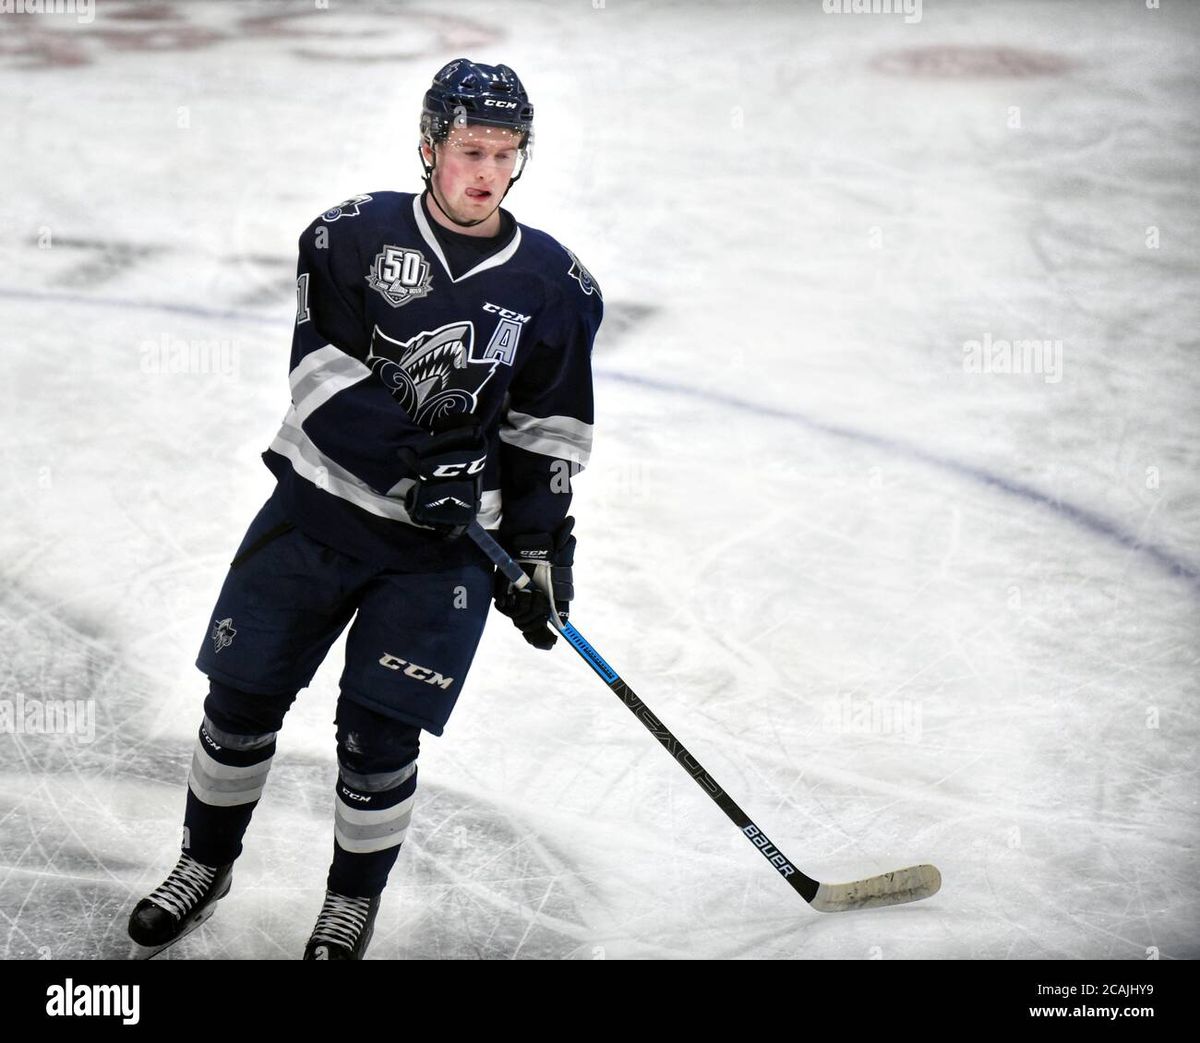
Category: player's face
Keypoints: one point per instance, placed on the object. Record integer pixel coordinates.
(473, 168)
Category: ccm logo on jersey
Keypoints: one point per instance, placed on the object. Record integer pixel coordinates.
(420, 673)
(504, 313)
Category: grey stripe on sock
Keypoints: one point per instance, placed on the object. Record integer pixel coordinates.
(364, 842)
(225, 785)
(237, 742)
(379, 781)
(366, 816)
(363, 831)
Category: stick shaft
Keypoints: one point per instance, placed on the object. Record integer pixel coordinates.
(804, 885)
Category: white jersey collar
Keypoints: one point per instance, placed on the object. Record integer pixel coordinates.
(498, 258)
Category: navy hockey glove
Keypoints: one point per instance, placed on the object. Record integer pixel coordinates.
(547, 560)
(449, 480)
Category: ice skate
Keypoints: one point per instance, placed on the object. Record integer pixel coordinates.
(178, 906)
(344, 928)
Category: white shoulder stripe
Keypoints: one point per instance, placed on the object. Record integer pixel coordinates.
(431, 241)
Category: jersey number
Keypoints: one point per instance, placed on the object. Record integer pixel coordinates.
(302, 299)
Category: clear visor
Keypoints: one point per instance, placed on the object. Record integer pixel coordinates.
(480, 144)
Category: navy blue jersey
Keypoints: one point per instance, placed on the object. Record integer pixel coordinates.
(388, 346)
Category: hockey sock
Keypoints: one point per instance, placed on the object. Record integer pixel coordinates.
(225, 783)
(371, 816)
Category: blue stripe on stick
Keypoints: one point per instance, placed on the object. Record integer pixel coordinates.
(594, 659)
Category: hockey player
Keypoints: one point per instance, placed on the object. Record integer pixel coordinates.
(440, 374)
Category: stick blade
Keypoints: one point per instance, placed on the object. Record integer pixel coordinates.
(904, 885)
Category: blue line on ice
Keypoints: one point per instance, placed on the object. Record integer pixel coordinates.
(1082, 517)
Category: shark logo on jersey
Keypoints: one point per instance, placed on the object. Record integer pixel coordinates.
(433, 375)
(582, 276)
(348, 208)
(400, 275)
(223, 633)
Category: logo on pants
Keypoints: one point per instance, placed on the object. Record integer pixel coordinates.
(419, 673)
(223, 633)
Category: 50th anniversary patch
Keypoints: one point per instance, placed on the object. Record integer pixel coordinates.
(400, 275)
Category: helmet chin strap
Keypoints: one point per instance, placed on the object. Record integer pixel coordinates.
(429, 167)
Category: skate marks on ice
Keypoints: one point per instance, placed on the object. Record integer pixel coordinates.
(475, 881)
(93, 262)
(74, 767)
(470, 881)
(91, 800)
(91, 796)
(70, 857)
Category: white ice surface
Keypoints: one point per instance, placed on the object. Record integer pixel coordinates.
(800, 506)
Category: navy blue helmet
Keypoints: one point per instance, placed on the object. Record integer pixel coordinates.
(468, 92)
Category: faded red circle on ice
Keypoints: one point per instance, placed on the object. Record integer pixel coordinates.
(954, 62)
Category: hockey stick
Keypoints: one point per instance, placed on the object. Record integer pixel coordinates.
(904, 885)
